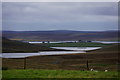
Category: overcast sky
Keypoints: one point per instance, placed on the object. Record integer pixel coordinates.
(82, 16)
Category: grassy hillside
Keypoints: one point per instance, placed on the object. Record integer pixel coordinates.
(17, 46)
(110, 48)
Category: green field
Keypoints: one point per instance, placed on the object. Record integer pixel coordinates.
(58, 74)
(81, 44)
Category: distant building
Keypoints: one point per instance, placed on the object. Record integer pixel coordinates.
(43, 41)
(89, 41)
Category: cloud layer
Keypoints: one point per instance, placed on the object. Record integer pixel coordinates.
(60, 16)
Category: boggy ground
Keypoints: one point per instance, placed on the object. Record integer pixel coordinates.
(103, 59)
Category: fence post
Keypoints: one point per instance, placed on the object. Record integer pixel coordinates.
(24, 63)
(87, 64)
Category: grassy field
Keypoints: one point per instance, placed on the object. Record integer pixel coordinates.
(81, 44)
(58, 74)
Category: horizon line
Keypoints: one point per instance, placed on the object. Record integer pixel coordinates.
(59, 30)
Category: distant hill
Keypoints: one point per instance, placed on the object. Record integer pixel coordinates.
(17, 46)
(60, 35)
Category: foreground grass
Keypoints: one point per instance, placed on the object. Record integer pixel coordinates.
(58, 74)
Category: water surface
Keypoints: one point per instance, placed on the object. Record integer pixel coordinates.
(78, 48)
(75, 51)
(23, 55)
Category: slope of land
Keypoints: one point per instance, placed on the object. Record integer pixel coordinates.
(110, 48)
(17, 46)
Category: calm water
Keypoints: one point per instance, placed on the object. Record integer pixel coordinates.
(76, 50)
(23, 55)
(37, 42)
(107, 42)
(104, 42)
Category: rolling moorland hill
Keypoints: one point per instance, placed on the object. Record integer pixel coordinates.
(108, 54)
(61, 35)
(112, 48)
(17, 46)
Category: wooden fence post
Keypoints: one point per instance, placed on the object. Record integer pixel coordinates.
(24, 63)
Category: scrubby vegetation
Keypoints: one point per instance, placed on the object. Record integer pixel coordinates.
(12, 46)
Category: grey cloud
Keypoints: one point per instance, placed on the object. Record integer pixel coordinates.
(41, 14)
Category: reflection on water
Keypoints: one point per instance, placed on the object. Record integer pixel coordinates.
(78, 48)
(104, 42)
(18, 55)
(75, 50)
(107, 42)
(22, 55)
